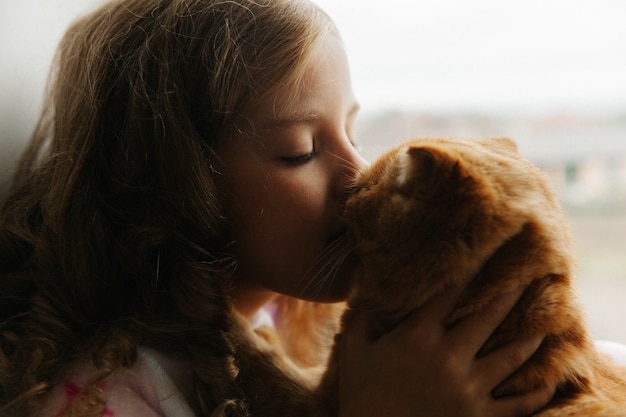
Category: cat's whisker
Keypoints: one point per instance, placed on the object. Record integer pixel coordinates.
(324, 270)
(317, 276)
(330, 268)
(352, 167)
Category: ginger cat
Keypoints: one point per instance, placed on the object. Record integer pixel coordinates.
(432, 213)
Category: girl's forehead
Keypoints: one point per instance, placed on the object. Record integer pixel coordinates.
(324, 79)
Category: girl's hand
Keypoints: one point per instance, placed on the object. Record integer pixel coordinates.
(420, 368)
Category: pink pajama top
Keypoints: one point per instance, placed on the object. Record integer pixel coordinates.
(151, 388)
(148, 389)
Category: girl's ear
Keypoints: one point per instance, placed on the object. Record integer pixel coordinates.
(418, 171)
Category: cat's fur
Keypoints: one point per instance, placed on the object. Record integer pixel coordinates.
(434, 213)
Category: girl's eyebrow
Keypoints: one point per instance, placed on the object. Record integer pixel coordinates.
(296, 116)
(293, 116)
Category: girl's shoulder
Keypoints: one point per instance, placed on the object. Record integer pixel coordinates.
(151, 387)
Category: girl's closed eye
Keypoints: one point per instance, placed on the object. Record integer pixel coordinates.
(294, 147)
(298, 159)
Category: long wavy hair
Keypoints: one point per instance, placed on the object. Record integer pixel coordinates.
(112, 234)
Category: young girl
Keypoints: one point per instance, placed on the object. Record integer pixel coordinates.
(185, 181)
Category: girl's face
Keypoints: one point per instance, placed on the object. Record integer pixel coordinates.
(284, 184)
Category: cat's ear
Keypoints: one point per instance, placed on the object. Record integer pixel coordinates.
(417, 170)
(502, 144)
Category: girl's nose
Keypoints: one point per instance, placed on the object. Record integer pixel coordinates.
(350, 163)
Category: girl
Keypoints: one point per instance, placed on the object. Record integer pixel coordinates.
(184, 185)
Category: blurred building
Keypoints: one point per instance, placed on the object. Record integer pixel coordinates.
(584, 156)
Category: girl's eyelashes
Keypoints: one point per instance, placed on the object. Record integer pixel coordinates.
(298, 159)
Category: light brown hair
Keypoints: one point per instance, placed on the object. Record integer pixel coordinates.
(112, 233)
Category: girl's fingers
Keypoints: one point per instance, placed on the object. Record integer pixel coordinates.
(474, 330)
(440, 306)
(427, 322)
(523, 405)
(497, 366)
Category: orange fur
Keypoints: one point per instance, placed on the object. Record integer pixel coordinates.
(434, 213)
(306, 329)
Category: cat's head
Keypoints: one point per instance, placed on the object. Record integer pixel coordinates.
(441, 207)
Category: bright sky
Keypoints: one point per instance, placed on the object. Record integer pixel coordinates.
(531, 55)
(491, 55)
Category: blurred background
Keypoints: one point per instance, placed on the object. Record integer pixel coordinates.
(550, 74)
